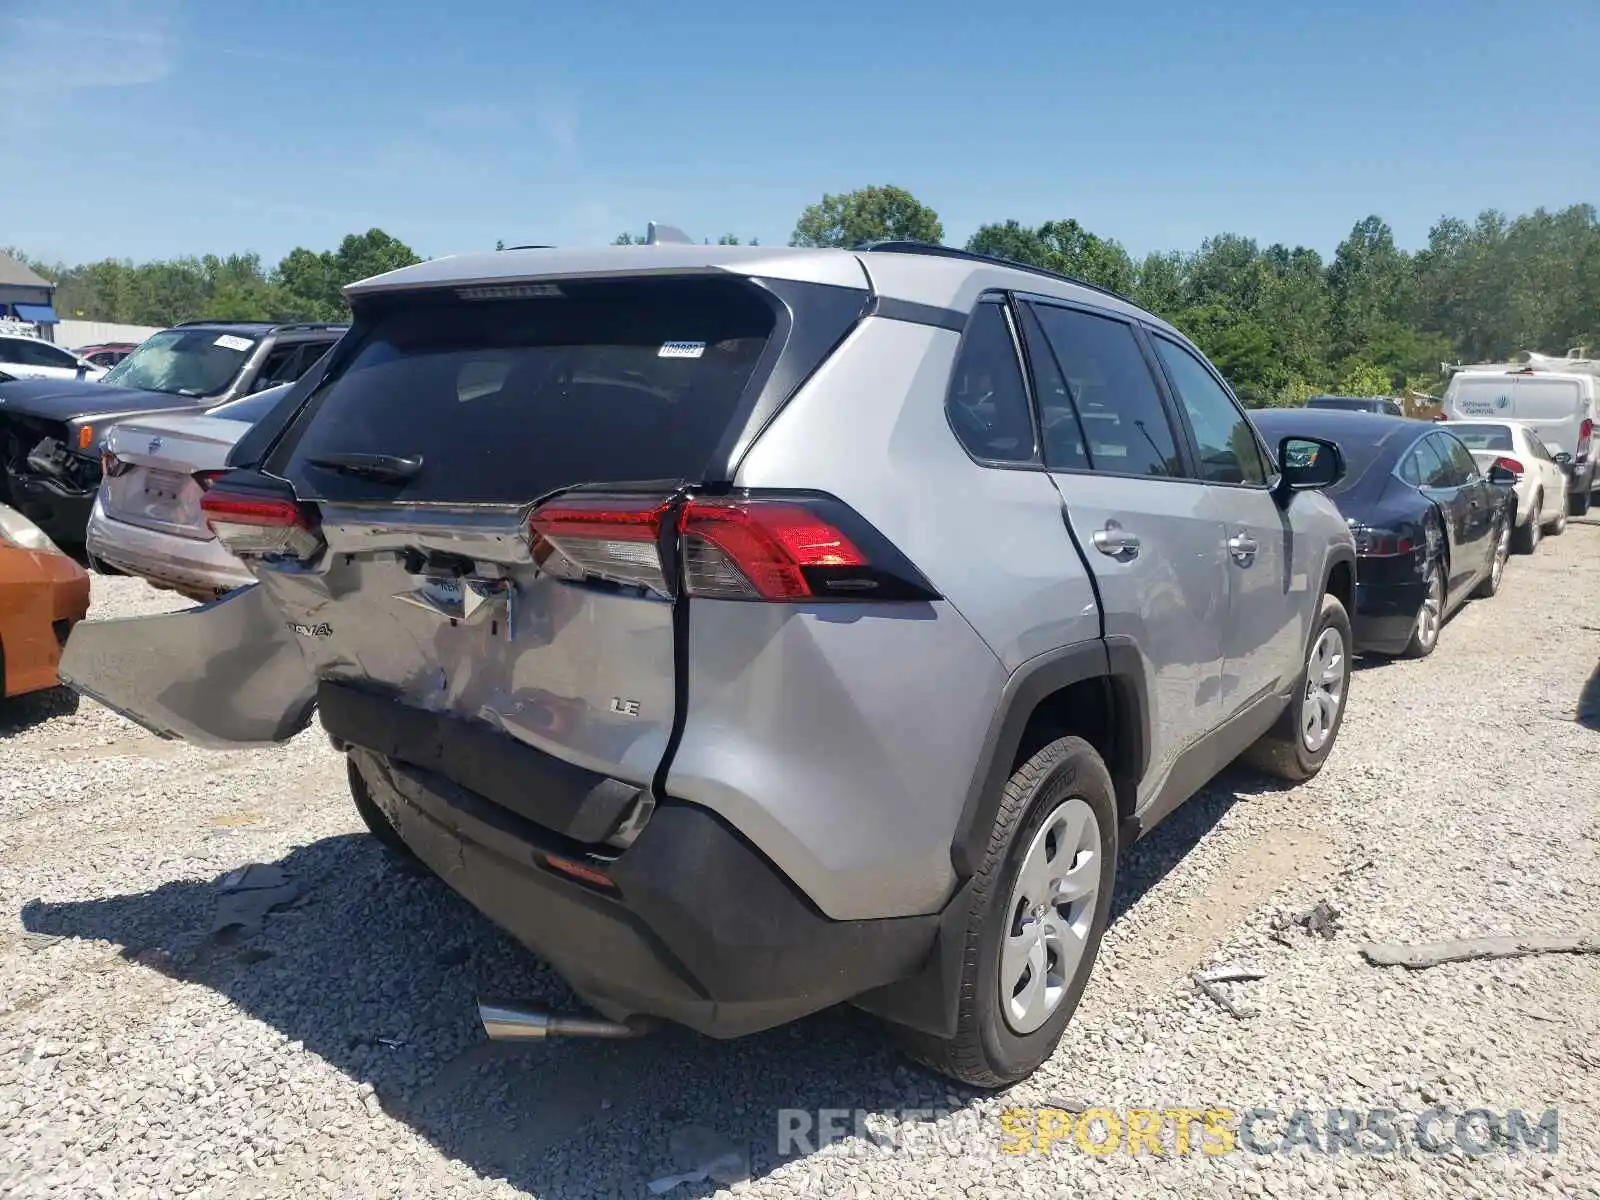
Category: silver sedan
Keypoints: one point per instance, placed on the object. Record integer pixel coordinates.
(146, 519)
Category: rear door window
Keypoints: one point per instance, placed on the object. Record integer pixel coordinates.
(987, 404)
(1422, 465)
(1109, 413)
(1445, 472)
(1464, 467)
(508, 400)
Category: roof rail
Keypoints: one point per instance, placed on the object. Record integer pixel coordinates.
(894, 246)
(266, 324)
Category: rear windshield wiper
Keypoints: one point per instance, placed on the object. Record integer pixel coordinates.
(385, 468)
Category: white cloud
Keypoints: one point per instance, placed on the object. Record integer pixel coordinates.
(88, 44)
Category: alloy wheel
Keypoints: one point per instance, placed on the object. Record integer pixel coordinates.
(1431, 615)
(1050, 911)
(1327, 671)
(1502, 551)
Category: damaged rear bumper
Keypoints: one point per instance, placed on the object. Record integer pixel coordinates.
(699, 929)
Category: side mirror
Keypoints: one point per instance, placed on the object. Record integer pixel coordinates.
(1502, 476)
(1561, 458)
(1308, 463)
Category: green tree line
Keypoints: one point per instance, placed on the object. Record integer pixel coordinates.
(304, 286)
(1281, 323)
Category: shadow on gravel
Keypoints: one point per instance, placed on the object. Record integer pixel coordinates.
(35, 708)
(376, 969)
(1589, 702)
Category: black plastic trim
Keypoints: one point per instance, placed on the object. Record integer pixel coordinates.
(1117, 661)
(571, 801)
(919, 314)
(702, 929)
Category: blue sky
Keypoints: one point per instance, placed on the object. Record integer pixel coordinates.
(145, 128)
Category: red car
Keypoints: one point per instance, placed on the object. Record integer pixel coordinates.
(106, 354)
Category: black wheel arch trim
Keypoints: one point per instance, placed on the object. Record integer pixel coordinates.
(1118, 662)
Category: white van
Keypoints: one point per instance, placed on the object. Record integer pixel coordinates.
(1561, 407)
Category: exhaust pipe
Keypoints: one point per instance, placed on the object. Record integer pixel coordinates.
(507, 1023)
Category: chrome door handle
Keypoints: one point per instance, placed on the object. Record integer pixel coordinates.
(1243, 547)
(1116, 543)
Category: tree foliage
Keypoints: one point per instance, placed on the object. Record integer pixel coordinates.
(1278, 321)
(304, 286)
(869, 214)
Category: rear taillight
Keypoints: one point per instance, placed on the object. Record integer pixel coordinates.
(1381, 543)
(206, 478)
(261, 526)
(759, 550)
(750, 547)
(1585, 432)
(1510, 464)
(615, 539)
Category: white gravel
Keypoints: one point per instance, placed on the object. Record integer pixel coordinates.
(335, 1051)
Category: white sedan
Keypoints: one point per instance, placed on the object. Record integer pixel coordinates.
(23, 357)
(1541, 481)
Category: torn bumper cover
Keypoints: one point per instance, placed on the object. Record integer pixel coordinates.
(699, 928)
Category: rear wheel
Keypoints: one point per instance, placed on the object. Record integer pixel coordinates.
(1430, 617)
(372, 817)
(1559, 523)
(1527, 535)
(1038, 906)
(1578, 502)
(1296, 747)
(1490, 583)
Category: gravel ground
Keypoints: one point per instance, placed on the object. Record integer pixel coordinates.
(333, 1050)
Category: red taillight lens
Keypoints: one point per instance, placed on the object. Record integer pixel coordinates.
(1585, 432)
(1510, 464)
(261, 526)
(756, 550)
(607, 538)
(1381, 543)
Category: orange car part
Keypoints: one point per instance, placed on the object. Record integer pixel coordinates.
(41, 597)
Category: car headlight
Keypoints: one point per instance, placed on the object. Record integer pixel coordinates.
(16, 530)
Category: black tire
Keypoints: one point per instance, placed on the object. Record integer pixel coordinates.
(1282, 751)
(985, 1052)
(1578, 503)
(1420, 646)
(372, 817)
(1525, 539)
(1489, 585)
(1559, 525)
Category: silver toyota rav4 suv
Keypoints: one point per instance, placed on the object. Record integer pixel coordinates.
(750, 630)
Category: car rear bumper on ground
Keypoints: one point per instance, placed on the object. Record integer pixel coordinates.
(1385, 616)
(202, 569)
(700, 929)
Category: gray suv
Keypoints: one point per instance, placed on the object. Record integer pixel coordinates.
(750, 630)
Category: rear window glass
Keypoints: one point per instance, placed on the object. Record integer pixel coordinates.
(1483, 437)
(509, 400)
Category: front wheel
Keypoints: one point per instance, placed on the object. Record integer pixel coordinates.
(1296, 747)
(1038, 906)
